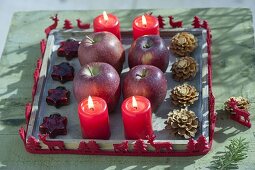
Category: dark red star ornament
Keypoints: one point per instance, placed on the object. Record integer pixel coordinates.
(68, 49)
(63, 72)
(54, 125)
(58, 97)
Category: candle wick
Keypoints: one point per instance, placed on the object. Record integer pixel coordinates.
(135, 107)
(92, 108)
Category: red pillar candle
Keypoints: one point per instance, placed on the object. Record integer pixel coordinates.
(137, 118)
(145, 25)
(94, 118)
(107, 22)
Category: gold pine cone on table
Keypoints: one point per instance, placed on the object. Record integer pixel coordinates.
(183, 44)
(242, 103)
(182, 122)
(184, 69)
(184, 95)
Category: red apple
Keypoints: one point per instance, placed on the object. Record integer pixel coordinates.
(149, 50)
(102, 47)
(148, 81)
(98, 79)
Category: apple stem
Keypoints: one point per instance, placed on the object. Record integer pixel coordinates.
(144, 72)
(91, 72)
(92, 41)
(146, 46)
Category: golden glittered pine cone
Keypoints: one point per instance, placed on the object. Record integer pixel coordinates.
(183, 44)
(242, 103)
(182, 122)
(184, 95)
(184, 69)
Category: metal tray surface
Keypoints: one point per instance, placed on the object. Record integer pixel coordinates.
(41, 109)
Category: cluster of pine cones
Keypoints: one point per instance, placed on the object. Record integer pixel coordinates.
(183, 122)
(182, 45)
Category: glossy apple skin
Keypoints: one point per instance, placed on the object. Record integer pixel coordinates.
(106, 48)
(149, 50)
(153, 85)
(104, 83)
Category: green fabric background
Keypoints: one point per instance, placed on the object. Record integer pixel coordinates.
(233, 75)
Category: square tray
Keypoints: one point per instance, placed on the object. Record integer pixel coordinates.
(73, 138)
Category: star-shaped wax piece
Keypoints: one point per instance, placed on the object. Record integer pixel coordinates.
(54, 125)
(68, 49)
(63, 72)
(58, 97)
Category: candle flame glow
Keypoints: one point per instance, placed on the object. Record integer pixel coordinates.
(134, 102)
(90, 103)
(144, 22)
(105, 16)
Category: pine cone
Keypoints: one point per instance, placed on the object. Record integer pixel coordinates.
(184, 95)
(182, 122)
(183, 44)
(184, 69)
(242, 103)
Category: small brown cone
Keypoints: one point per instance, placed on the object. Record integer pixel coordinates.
(183, 44)
(184, 95)
(242, 103)
(182, 122)
(184, 69)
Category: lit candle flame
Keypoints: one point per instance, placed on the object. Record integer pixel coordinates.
(144, 22)
(90, 103)
(134, 102)
(105, 16)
